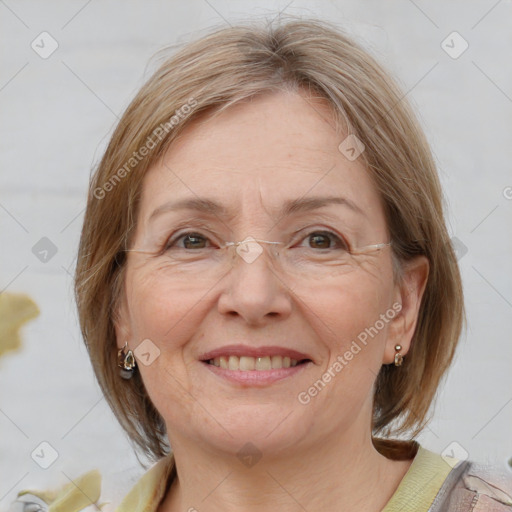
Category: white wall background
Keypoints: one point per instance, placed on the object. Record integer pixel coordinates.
(57, 114)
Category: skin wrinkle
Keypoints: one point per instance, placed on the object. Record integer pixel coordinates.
(322, 453)
(157, 238)
(234, 213)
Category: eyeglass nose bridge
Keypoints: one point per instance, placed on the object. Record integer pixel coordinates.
(250, 249)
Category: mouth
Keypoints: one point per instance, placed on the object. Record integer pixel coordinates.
(258, 364)
(250, 358)
(251, 366)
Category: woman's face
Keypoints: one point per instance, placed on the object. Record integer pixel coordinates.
(252, 160)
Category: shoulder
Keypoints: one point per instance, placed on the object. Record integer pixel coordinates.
(471, 486)
(439, 483)
(149, 491)
(85, 493)
(80, 495)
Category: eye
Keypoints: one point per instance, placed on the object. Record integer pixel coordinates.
(316, 240)
(323, 240)
(192, 240)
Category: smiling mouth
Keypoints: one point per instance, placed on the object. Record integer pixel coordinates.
(248, 363)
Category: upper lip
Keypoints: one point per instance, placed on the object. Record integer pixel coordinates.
(251, 351)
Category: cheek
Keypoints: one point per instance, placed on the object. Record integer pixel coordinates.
(347, 317)
(343, 317)
(345, 307)
(159, 311)
(167, 319)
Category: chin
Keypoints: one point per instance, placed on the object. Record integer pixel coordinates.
(268, 429)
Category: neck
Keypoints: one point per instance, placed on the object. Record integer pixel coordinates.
(337, 475)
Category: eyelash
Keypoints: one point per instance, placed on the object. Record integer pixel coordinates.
(337, 239)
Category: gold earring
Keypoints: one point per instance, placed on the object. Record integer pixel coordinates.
(398, 357)
(126, 361)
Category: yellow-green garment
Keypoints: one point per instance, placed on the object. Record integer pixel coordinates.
(421, 483)
(81, 494)
(415, 493)
(472, 488)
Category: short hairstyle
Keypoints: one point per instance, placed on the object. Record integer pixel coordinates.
(209, 75)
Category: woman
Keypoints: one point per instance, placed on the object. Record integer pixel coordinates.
(266, 285)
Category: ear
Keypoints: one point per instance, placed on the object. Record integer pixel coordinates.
(122, 323)
(408, 293)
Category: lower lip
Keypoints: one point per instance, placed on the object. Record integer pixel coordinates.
(257, 377)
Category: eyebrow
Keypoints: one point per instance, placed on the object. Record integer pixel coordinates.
(290, 207)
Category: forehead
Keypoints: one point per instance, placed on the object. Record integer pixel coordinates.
(264, 152)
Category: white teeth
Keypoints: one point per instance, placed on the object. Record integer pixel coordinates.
(263, 363)
(234, 363)
(277, 361)
(248, 363)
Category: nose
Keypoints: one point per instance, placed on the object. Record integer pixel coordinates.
(253, 289)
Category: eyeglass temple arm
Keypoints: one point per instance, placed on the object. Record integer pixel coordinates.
(366, 248)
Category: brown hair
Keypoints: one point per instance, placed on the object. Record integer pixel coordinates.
(225, 67)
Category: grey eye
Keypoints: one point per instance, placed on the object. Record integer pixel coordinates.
(191, 240)
(325, 240)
